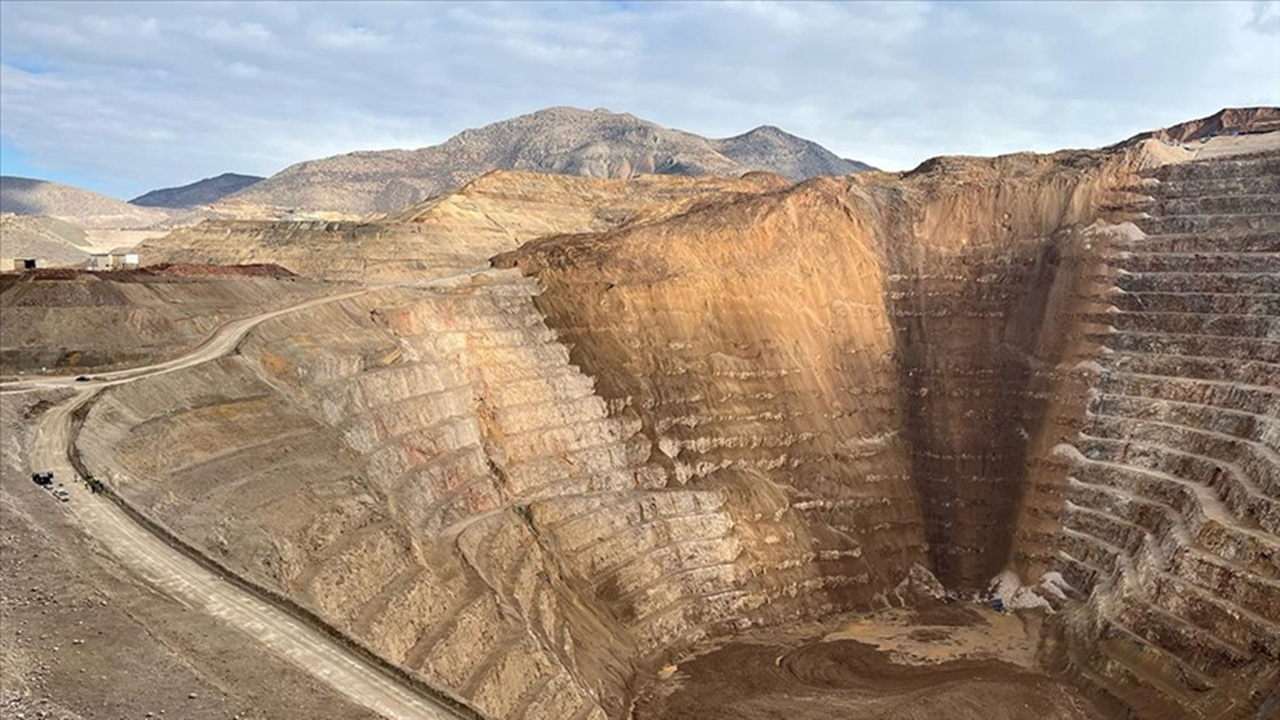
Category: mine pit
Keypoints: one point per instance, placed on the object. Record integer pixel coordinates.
(993, 438)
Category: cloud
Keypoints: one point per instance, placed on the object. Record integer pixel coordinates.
(134, 96)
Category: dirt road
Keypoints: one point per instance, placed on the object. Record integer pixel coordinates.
(191, 583)
(223, 341)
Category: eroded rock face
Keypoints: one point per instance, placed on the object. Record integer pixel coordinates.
(748, 408)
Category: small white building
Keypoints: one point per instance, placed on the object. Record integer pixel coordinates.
(112, 261)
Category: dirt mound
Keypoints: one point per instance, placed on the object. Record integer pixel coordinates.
(62, 318)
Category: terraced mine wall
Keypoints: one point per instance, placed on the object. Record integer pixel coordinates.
(426, 470)
(529, 485)
(1173, 513)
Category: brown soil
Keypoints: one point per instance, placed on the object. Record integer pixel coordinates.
(953, 615)
(833, 679)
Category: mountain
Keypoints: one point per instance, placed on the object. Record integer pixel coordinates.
(569, 141)
(25, 196)
(770, 148)
(204, 192)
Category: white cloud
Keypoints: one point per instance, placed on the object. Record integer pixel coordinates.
(140, 95)
(244, 33)
(357, 38)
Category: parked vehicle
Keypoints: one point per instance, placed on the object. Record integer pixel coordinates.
(44, 479)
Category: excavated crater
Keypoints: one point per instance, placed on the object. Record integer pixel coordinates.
(771, 453)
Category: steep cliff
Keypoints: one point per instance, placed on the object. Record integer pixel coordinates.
(877, 346)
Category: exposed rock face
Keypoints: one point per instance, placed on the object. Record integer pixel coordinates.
(414, 472)
(202, 192)
(562, 140)
(871, 345)
(1173, 514)
(743, 406)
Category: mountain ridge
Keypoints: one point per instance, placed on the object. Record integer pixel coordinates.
(560, 140)
(201, 192)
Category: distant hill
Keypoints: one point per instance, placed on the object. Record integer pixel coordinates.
(25, 196)
(561, 140)
(204, 192)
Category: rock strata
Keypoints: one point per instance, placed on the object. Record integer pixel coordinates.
(690, 411)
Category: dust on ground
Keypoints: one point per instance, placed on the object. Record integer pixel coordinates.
(82, 638)
(958, 662)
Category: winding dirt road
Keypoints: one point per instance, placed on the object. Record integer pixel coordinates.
(191, 583)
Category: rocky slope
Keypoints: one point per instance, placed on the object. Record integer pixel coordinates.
(202, 192)
(492, 214)
(561, 140)
(529, 497)
(873, 345)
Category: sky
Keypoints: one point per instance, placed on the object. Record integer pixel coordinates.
(127, 97)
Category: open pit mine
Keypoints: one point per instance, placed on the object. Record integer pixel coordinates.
(992, 438)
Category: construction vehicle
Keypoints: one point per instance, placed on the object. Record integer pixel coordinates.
(95, 485)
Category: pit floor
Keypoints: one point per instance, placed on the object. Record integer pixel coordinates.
(957, 662)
